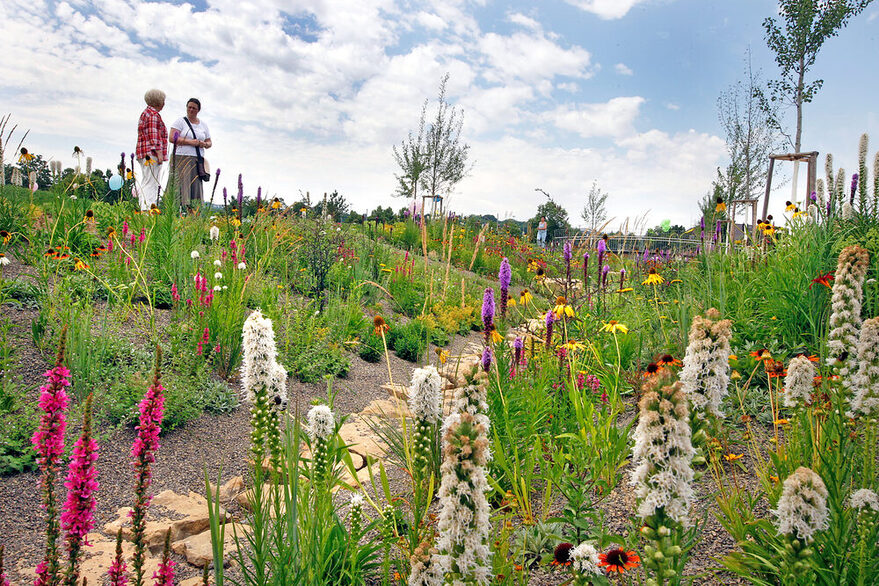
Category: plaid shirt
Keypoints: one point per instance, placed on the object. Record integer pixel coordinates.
(151, 135)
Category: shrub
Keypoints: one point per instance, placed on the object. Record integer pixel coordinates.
(410, 340)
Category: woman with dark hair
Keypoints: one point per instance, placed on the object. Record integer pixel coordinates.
(190, 136)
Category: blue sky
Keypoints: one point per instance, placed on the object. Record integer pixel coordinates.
(310, 95)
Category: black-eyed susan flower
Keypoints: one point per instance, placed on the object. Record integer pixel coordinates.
(511, 302)
(562, 308)
(525, 298)
(129, 174)
(24, 156)
(6, 236)
(276, 203)
(89, 216)
(573, 346)
(720, 207)
(613, 326)
(789, 206)
(495, 336)
(540, 274)
(653, 278)
(618, 560)
(154, 210)
(443, 355)
(79, 265)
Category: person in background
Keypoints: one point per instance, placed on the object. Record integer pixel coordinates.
(152, 149)
(188, 134)
(541, 232)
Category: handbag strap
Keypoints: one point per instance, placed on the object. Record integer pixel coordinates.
(197, 150)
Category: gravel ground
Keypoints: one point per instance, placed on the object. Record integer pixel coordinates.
(220, 442)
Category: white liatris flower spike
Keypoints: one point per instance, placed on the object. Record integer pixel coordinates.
(864, 498)
(355, 514)
(259, 355)
(242, 266)
(848, 212)
(845, 310)
(705, 373)
(799, 382)
(214, 233)
(426, 571)
(278, 388)
(194, 255)
(464, 523)
(663, 454)
(584, 559)
(819, 192)
(321, 422)
(425, 399)
(802, 508)
(218, 263)
(865, 383)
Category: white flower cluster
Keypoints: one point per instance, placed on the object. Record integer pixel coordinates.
(214, 233)
(845, 308)
(705, 373)
(864, 498)
(663, 454)
(802, 508)
(260, 369)
(866, 382)
(321, 422)
(798, 384)
(464, 523)
(584, 559)
(425, 569)
(425, 399)
(848, 212)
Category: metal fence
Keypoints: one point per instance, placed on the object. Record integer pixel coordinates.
(628, 244)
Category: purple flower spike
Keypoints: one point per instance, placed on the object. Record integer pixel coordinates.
(488, 307)
(567, 251)
(225, 197)
(258, 196)
(854, 187)
(814, 197)
(505, 275)
(604, 271)
(602, 247)
(218, 171)
(518, 348)
(486, 358)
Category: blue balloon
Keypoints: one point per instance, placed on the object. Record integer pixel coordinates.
(115, 182)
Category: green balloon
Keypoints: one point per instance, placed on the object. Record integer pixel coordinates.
(665, 225)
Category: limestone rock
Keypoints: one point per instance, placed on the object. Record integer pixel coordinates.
(197, 548)
(229, 490)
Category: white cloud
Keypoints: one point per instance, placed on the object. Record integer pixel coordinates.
(623, 69)
(606, 9)
(531, 58)
(672, 106)
(613, 118)
(524, 21)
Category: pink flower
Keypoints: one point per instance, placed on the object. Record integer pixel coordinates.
(125, 229)
(142, 236)
(117, 574)
(49, 437)
(189, 302)
(164, 575)
(77, 518)
(174, 294)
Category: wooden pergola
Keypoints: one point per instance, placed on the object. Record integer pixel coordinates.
(810, 158)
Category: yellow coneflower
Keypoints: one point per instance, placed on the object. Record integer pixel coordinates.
(25, 156)
(653, 278)
(379, 325)
(79, 265)
(442, 354)
(562, 308)
(613, 326)
(574, 346)
(89, 216)
(525, 297)
(511, 302)
(720, 207)
(148, 161)
(495, 336)
(789, 206)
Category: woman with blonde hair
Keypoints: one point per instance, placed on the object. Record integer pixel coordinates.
(152, 149)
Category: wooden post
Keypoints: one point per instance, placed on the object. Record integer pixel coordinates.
(768, 188)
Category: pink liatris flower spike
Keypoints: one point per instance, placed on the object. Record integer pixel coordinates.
(164, 574)
(77, 519)
(49, 443)
(117, 574)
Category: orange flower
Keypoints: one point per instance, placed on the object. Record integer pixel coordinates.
(380, 325)
(774, 368)
(733, 457)
(618, 560)
(652, 370)
(822, 280)
(561, 556)
(761, 354)
(668, 360)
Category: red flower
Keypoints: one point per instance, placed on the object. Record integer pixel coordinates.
(618, 560)
(822, 280)
(562, 554)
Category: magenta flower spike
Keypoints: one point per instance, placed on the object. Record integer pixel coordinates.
(48, 440)
(77, 518)
(518, 348)
(117, 574)
(143, 454)
(486, 358)
(549, 320)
